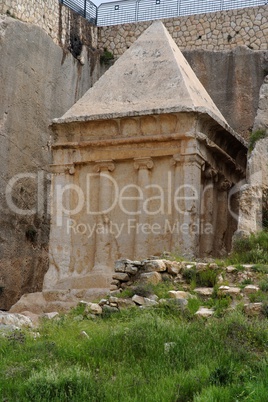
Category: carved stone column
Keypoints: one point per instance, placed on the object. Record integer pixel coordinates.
(208, 213)
(103, 238)
(60, 244)
(222, 223)
(141, 249)
(187, 201)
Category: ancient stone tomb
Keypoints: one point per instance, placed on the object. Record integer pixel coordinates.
(143, 163)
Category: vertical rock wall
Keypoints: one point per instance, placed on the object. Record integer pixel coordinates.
(38, 81)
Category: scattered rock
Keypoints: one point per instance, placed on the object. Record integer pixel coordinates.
(15, 320)
(149, 302)
(205, 312)
(84, 334)
(168, 346)
(178, 294)
(93, 308)
(138, 300)
(253, 309)
(201, 266)
(125, 303)
(204, 291)
(229, 290)
(231, 269)
(251, 289)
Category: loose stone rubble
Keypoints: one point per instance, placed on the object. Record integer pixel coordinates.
(134, 278)
(239, 285)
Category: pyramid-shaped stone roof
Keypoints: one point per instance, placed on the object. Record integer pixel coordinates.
(151, 77)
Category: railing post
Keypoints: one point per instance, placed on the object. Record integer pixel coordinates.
(179, 8)
(85, 9)
(137, 10)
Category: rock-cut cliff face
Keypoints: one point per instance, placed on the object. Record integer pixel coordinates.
(38, 82)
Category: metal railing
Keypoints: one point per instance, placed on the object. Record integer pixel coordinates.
(127, 11)
(86, 8)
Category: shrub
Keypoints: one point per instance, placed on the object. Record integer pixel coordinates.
(252, 249)
(106, 57)
(256, 136)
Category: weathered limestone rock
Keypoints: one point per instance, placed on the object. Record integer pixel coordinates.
(155, 265)
(204, 312)
(251, 289)
(125, 303)
(151, 277)
(253, 309)
(173, 267)
(204, 291)
(229, 290)
(253, 206)
(15, 320)
(179, 294)
(93, 308)
(149, 302)
(138, 300)
(121, 277)
(39, 81)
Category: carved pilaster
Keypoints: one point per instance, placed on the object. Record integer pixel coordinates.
(188, 159)
(211, 174)
(224, 184)
(104, 166)
(143, 163)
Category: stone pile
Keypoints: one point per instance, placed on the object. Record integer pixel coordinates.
(133, 275)
(151, 271)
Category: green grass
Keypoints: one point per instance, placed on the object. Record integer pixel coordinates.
(124, 359)
(253, 249)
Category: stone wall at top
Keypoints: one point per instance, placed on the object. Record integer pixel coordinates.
(222, 30)
(55, 19)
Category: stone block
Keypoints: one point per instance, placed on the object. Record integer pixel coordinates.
(120, 276)
(155, 265)
(151, 277)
